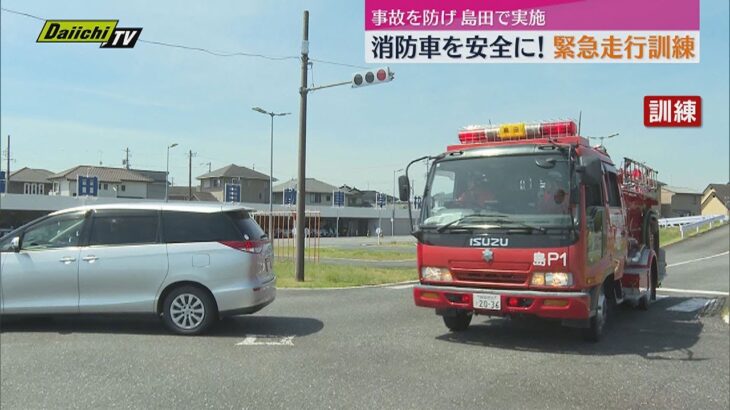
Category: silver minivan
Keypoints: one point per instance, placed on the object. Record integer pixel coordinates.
(190, 264)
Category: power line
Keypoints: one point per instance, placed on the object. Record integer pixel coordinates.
(22, 14)
(208, 51)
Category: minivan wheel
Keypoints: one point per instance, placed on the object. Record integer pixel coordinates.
(188, 311)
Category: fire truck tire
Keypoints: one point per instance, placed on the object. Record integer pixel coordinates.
(458, 322)
(650, 231)
(646, 299)
(594, 331)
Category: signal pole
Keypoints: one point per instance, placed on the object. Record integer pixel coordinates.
(301, 182)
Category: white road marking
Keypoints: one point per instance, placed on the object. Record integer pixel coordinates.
(698, 259)
(261, 340)
(690, 305)
(695, 292)
(407, 286)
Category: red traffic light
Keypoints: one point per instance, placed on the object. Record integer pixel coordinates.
(371, 77)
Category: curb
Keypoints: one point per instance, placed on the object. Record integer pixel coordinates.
(382, 285)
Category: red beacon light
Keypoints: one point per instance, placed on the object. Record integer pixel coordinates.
(517, 131)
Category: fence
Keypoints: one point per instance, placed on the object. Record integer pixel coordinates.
(718, 219)
(285, 232)
(686, 220)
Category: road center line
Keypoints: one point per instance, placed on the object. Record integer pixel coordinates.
(266, 341)
(698, 259)
(696, 292)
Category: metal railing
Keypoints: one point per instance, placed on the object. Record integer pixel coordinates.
(685, 220)
(695, 226)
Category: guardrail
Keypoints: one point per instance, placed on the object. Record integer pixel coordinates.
(718, 219)
(684, 220)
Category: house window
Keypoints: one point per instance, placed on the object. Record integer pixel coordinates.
(106, 187)
(317, 198)
(124, 188)
(41, 189)
(30, 188)
(328, 198)
(216, 183)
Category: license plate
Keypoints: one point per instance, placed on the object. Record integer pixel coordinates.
(487, 301)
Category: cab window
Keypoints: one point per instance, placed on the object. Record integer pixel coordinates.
(55, 232)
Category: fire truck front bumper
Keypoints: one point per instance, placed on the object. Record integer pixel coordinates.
(505, 302)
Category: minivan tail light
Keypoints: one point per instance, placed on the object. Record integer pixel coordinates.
(246, 246)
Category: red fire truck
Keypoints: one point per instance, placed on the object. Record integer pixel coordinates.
(530, 220)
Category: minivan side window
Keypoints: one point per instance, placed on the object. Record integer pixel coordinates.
(124, 227)
(58, 231)
(179, 227)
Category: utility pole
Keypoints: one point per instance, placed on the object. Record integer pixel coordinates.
(191, 154)
(7, 169)
(209, 164)
(301, 183)
(126, 160)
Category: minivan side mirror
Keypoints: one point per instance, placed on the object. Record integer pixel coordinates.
(15, 244)
(404, 188)
(590, 170)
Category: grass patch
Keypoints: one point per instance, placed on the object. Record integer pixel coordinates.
(671, 234)
(367, 254)
(322, 275)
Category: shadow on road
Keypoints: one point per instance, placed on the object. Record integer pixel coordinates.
(654, 335)
(150, 325)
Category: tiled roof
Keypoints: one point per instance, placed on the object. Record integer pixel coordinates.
(26, 174)
(235, 171)
(105, 174)
(311, 185)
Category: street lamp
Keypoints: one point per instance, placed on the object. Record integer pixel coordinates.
(392, 217)
(167, 169)
(271, 166)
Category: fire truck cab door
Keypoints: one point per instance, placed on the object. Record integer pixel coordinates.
(616, 229)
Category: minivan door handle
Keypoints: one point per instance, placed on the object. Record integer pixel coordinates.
(90, 258)
(67, 260)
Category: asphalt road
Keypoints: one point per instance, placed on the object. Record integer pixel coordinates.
(700, 263)
(371, 348)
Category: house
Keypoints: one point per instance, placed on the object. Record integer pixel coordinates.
(30, 181)
(679, 201)
(716, 200)
(156, 188)
(113, 182)
(254, 184)
(360, 198)
(318, 192)
(181, 193)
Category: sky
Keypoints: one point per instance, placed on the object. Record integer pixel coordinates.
(71, 104)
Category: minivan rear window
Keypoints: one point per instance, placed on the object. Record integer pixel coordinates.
(246, 225)
(179, 227)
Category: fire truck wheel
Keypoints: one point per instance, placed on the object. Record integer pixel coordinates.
(594, 332)
(458, 322)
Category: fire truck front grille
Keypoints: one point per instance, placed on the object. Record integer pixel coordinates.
(492, 277)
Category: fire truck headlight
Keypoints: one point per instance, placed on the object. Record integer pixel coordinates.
(436, 274)
(552, 279)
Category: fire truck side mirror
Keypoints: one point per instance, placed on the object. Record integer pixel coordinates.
(591, 172)
(404, 188)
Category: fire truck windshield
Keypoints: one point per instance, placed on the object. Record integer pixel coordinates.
(530, 192)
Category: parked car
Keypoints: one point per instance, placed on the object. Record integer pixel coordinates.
(189, 264)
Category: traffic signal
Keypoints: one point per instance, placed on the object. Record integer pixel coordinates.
(371, 77)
